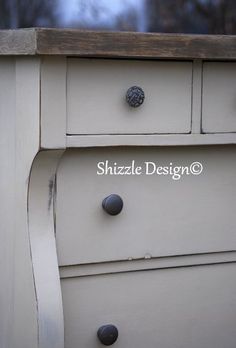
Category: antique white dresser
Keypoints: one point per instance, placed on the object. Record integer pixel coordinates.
(118, 190)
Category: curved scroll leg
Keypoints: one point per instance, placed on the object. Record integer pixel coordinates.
(43, 249)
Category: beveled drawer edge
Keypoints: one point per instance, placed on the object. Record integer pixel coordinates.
(147, 263)
(149, 140)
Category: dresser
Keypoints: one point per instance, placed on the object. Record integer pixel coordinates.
(118, 189)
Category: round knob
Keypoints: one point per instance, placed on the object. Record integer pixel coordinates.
(135, 96)
(107, 334)
(112, 204)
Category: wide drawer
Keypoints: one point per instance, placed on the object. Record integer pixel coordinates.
(161, 216)
(185, 307)
(219, 97)
(96, 90)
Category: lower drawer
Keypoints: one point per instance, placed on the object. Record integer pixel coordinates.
(161, 216)
(181, 308)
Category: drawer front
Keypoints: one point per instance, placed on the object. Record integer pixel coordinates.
(160, 216)
(219, 97)
(96, 91)
(185, 307)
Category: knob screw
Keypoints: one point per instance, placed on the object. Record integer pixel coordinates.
(135, 96)
(107, 334)
(112, 204)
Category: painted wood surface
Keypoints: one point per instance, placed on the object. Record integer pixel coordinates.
(96, 93)
(147, 264)
(218, 97)
(7, 189)
(181, 308)
(33, 122)
(43, 249)
(197, 97)
(19, 144)
(24, 317)
(74, 141)
(162, 215)
(53, 103)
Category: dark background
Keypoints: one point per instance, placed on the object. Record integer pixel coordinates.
(176, 16)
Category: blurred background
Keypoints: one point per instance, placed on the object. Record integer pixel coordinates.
(168, 16)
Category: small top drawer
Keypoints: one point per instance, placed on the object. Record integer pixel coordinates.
(96, 96)
(219, 97)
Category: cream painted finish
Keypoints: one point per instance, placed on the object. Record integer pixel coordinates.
(186, 304)
(160, 217)
(219, 97)
(43, 249)
(182, 308)
(117, 267)
(53, 102)
(30, 294)
(78, 141)
(19, 81)
(96, 96)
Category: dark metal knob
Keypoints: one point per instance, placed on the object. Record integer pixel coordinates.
(112, 204)
(135, 96)
(107, 334)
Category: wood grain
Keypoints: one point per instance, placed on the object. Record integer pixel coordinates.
(74, 42)
(18, 42)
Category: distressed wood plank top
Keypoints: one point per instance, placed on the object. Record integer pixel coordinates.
(74, 42)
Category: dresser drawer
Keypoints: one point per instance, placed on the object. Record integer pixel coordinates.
(185, 307)
(96, 96)
(219, 97)
(160, 216)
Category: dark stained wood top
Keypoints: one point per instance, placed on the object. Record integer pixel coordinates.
(74, 42)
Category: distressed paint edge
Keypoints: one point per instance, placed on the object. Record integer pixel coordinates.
(135, 265)
(43, 249)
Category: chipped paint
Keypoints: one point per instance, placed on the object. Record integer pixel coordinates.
(50, 191)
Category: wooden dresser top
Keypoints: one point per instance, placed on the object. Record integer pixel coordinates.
(83, 43)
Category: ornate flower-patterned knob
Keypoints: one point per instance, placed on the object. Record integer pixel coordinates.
(107, 334)
(135, 96)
